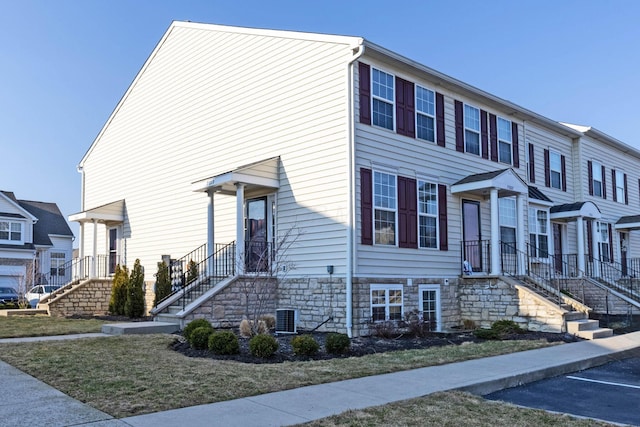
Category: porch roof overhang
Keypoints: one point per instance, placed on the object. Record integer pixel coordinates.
(630, 222)
(258, 175)
(109, 213)
(570, 211)
(506, 181)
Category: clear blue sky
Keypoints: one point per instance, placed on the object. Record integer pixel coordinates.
(64, 64)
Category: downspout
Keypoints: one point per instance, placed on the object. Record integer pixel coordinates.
(351, 136)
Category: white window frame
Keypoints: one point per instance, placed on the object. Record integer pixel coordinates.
(555, 159)
(534, 230)
(424, 213)
(426, 108)
(505, 138)
(376, 95)
(385, 203)
(58, 265)
(386, 304)
(508, 218)
(438, 307)
(620, 190)
(11, 231)
(467, 121)
(596, 170)
(603, 241)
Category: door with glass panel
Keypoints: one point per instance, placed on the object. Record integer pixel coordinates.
(471, 236)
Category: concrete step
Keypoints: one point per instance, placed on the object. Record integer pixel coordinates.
(595, 333)
(574, 315)
(575, 326)
(140, 328)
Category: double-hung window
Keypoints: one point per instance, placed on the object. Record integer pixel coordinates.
(603, 243)
(555, 170)
(507, 217)
(11, 231)
(425, 114)
(504, 140)
(471, 129)
(596, 171)
(385, 208)
(383, 98)
(57, 263)
(620, 190)
(539, 232)
(427, 214)
(386, 302)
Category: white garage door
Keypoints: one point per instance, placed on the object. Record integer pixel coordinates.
(8, 281)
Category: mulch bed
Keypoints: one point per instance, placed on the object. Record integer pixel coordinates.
(359, 346)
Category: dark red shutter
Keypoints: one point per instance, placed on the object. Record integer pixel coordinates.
(405, 108)
(484, 133)
(610, 243)
(515, 145)
(563, 168)
(364, 74)
(407, 213)
(459, 126)
(493, 137)
(532, 165)
(613, 185)
(440, 119)
(547, 169)
(589, 239)
(442, 217)
(590, 176)
(626, 192)
(604, 183)
(366, 206)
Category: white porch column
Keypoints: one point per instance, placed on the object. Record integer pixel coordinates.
(211, 248)
(95, 249)
(595, 239)
(580, 230)
(520, 237)
(495, 234)
(239, 228)
(79, 270)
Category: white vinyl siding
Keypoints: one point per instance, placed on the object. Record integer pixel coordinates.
(297, 111)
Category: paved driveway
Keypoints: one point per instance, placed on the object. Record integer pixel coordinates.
(609, 392)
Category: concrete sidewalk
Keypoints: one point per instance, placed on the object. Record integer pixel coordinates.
(304, 404)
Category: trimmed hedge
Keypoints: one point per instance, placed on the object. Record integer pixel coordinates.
(200, 337)
(224, 342)
(304, 345)
(337, 343)
(263, 346)
(193, 325)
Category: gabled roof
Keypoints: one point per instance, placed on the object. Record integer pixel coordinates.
(50, 221)
(11, 198)
(629, 222)
(604, 138)
(506, 181)
(536, 194)
(571, 211)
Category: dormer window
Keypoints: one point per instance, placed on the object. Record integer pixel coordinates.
(11, 231)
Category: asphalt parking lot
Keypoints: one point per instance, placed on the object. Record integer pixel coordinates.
(609, 392)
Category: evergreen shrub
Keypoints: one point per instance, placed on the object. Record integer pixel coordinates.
(263, 346)
(193, 325)
(337, 343)
(304, 345)
(224, 342)
(200, 337)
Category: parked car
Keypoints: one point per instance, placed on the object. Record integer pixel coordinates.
(8, 295)
(36, 293)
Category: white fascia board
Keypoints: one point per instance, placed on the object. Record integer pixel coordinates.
(88, 216)
(627, 226)
(26, 213)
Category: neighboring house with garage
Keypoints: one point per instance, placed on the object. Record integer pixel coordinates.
(391, 175)
(36, 243)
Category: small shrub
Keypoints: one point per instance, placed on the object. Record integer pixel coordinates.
(193, 325)
(486, 334)
(505, 327)
(304, 345)
(387, 329)
(200, 337)
(269, 320)
(263, 346)
(224, 342)
(337, 343)
(245, 328)
(468, 324)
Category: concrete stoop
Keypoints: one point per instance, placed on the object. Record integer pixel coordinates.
(588, 329)
(140, 328)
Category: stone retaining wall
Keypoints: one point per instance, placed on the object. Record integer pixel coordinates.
(599, 299)
(87, 298)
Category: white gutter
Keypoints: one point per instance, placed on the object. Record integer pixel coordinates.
(351, 136)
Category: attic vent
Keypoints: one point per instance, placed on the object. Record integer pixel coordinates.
(285, 321)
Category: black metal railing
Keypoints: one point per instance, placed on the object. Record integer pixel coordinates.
(619, 276)
(76, 269)
(476, 256)
(189, 277)
(258, 256)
